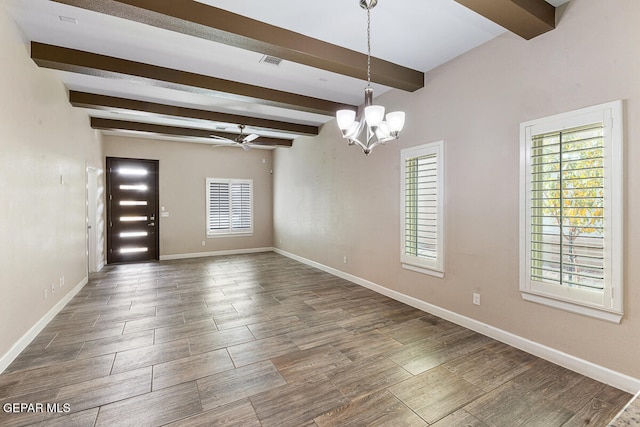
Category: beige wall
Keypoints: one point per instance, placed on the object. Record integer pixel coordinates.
(184, 168)
(331, 201)
(42, 221)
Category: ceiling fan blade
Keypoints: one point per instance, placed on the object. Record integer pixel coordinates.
(251, 137)
(219, 145)
(221, 138)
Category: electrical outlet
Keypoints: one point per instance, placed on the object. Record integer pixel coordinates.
(344, 260)
(476, 299)
(61, 281)
(46, 293)
(204, 243)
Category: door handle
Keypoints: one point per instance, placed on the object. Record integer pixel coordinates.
(151, 224)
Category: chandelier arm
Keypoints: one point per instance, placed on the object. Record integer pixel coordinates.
(355, 141)
(353, 133)
(391, 137)
(375, 144)
(371, 133)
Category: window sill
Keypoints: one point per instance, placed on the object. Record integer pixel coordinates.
(593, 312)
(215, 236)
(428, 271)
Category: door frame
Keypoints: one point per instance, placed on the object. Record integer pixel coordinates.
(95, 221)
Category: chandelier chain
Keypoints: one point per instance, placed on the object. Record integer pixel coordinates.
(368, 47)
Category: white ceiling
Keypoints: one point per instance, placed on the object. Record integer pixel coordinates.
(417, 34)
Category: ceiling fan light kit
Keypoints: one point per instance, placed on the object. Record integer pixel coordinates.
(374, 128)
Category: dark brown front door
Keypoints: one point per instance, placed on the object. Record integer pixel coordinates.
(132, 210)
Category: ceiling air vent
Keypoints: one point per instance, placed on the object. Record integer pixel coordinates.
(272, 60)
(68, 19)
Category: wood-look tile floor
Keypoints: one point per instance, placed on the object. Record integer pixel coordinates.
(262, 340)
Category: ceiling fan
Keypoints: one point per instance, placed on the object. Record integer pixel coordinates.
(242, 139)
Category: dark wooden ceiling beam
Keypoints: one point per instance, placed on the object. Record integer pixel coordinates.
(116, 125)
(110, 103)
(526, 18)
(218, 25)
(77, 61)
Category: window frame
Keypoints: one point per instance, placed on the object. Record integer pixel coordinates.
(432, 267)
(229, 231)
(608, 303)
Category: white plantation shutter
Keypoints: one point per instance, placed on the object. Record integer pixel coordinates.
(571, 224)
(422, 196)
(241, 206)
(421, 202)
(218, 209)
(567, 207)
(229, 206)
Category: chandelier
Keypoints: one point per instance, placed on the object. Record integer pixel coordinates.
(374, 128)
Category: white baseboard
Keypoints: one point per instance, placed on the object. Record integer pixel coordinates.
(581, 366)
(26, 339)
(215, 253)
